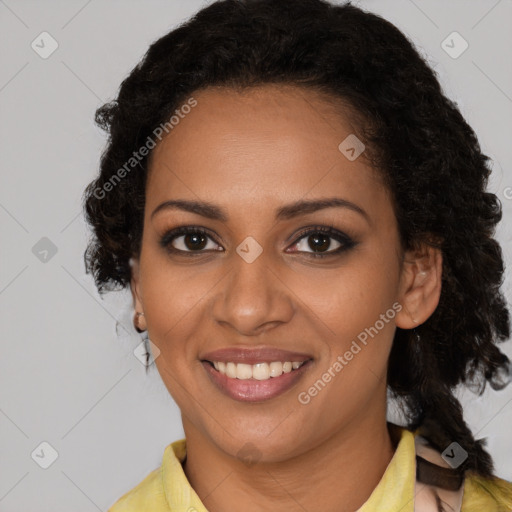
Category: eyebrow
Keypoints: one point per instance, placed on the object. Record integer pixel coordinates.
(289, 211)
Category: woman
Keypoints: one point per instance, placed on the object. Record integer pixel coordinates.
(302, 219)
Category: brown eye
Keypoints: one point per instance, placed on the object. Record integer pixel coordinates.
(323, 241)
(195, 241)
(188, 240)
(319, 242)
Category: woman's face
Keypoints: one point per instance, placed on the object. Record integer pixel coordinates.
(253, 282)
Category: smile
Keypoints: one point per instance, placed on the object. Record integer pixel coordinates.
(259, 371)
(255, 382)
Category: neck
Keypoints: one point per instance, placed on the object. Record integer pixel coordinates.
(343, 469)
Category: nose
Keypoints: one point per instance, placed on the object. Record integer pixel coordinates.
(253, 297)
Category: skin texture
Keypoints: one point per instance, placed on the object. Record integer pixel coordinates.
(251, 153)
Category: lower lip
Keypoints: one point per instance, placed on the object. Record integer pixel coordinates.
(253, 390)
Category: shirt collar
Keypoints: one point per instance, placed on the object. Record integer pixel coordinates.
(178, 492)
(395, 490)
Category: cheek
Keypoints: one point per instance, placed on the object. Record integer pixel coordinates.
(356, 303)
(173, 300)
(352, 297)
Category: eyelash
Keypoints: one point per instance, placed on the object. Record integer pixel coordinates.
(346, 241)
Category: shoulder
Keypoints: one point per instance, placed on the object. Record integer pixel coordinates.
(479, 494)
(165, 488)
(147, 496)
(489, 494)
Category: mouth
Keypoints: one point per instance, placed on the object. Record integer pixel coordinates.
(257, 382)
(258, 371)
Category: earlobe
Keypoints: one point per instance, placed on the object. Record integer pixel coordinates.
(139, 321)
(420, 286)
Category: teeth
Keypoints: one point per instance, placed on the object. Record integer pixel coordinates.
(259, 371)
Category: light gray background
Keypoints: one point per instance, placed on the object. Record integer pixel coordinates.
(67, 377)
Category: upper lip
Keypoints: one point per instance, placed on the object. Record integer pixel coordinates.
(254, 355)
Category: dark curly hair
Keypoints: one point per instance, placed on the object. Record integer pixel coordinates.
(417, 138)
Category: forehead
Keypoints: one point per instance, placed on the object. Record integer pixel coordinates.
(268, 142)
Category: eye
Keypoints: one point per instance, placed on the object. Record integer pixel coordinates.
(323, 241)
(188, 239)
(192, 240)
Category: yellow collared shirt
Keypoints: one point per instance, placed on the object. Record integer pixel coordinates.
(167, 489)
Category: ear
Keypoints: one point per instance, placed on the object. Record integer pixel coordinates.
(135, 287)
(420, 285)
